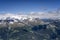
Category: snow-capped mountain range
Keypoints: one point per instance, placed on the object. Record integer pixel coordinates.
(40, 15)
(32, 16)
(16, 18)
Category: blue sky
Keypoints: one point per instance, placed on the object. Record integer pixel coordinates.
(16, 6)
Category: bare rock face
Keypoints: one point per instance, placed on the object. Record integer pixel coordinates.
(38, 29)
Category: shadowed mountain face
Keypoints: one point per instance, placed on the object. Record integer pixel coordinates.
(36, 30)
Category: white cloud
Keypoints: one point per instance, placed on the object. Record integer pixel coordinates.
(52, 14)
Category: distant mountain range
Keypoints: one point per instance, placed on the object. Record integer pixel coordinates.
(27, 19)
(23, 27)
